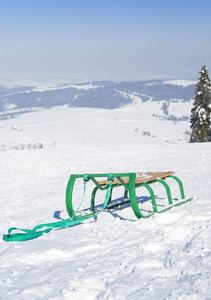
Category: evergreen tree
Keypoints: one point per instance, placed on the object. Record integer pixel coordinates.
(200, 113)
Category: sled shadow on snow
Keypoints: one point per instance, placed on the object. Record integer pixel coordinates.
(116, 212)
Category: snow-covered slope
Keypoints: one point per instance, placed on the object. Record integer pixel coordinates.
(115, 255)
(99, 94)
(73, 127)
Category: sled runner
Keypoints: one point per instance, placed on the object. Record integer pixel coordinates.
(108, 182)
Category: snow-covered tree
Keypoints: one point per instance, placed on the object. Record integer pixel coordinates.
(200, 113)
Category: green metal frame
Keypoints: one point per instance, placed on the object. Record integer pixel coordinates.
(130, 188)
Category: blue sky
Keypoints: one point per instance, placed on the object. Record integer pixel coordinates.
(104, 39)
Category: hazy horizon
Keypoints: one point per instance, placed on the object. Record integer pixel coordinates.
(104, 40)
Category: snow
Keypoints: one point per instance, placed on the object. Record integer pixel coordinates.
(53, 87)
(9, 106)
(180, 108)
(136, 100)
(75, 86)
(114, 255)
(184, 83)
(152, 83)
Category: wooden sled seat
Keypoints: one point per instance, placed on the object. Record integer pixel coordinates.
(141, 177)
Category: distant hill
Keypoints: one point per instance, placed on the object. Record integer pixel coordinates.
(99, 94)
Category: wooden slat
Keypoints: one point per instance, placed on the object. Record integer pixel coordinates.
(141, 177)
(150, 176)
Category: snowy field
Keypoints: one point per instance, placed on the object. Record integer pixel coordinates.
(115, 255)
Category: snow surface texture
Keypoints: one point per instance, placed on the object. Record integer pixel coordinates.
(115, 255)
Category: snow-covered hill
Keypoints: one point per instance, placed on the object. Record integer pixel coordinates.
(99, 94)
(73, 127)
(115, 255)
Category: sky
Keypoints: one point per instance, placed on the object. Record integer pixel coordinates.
(104, 39)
